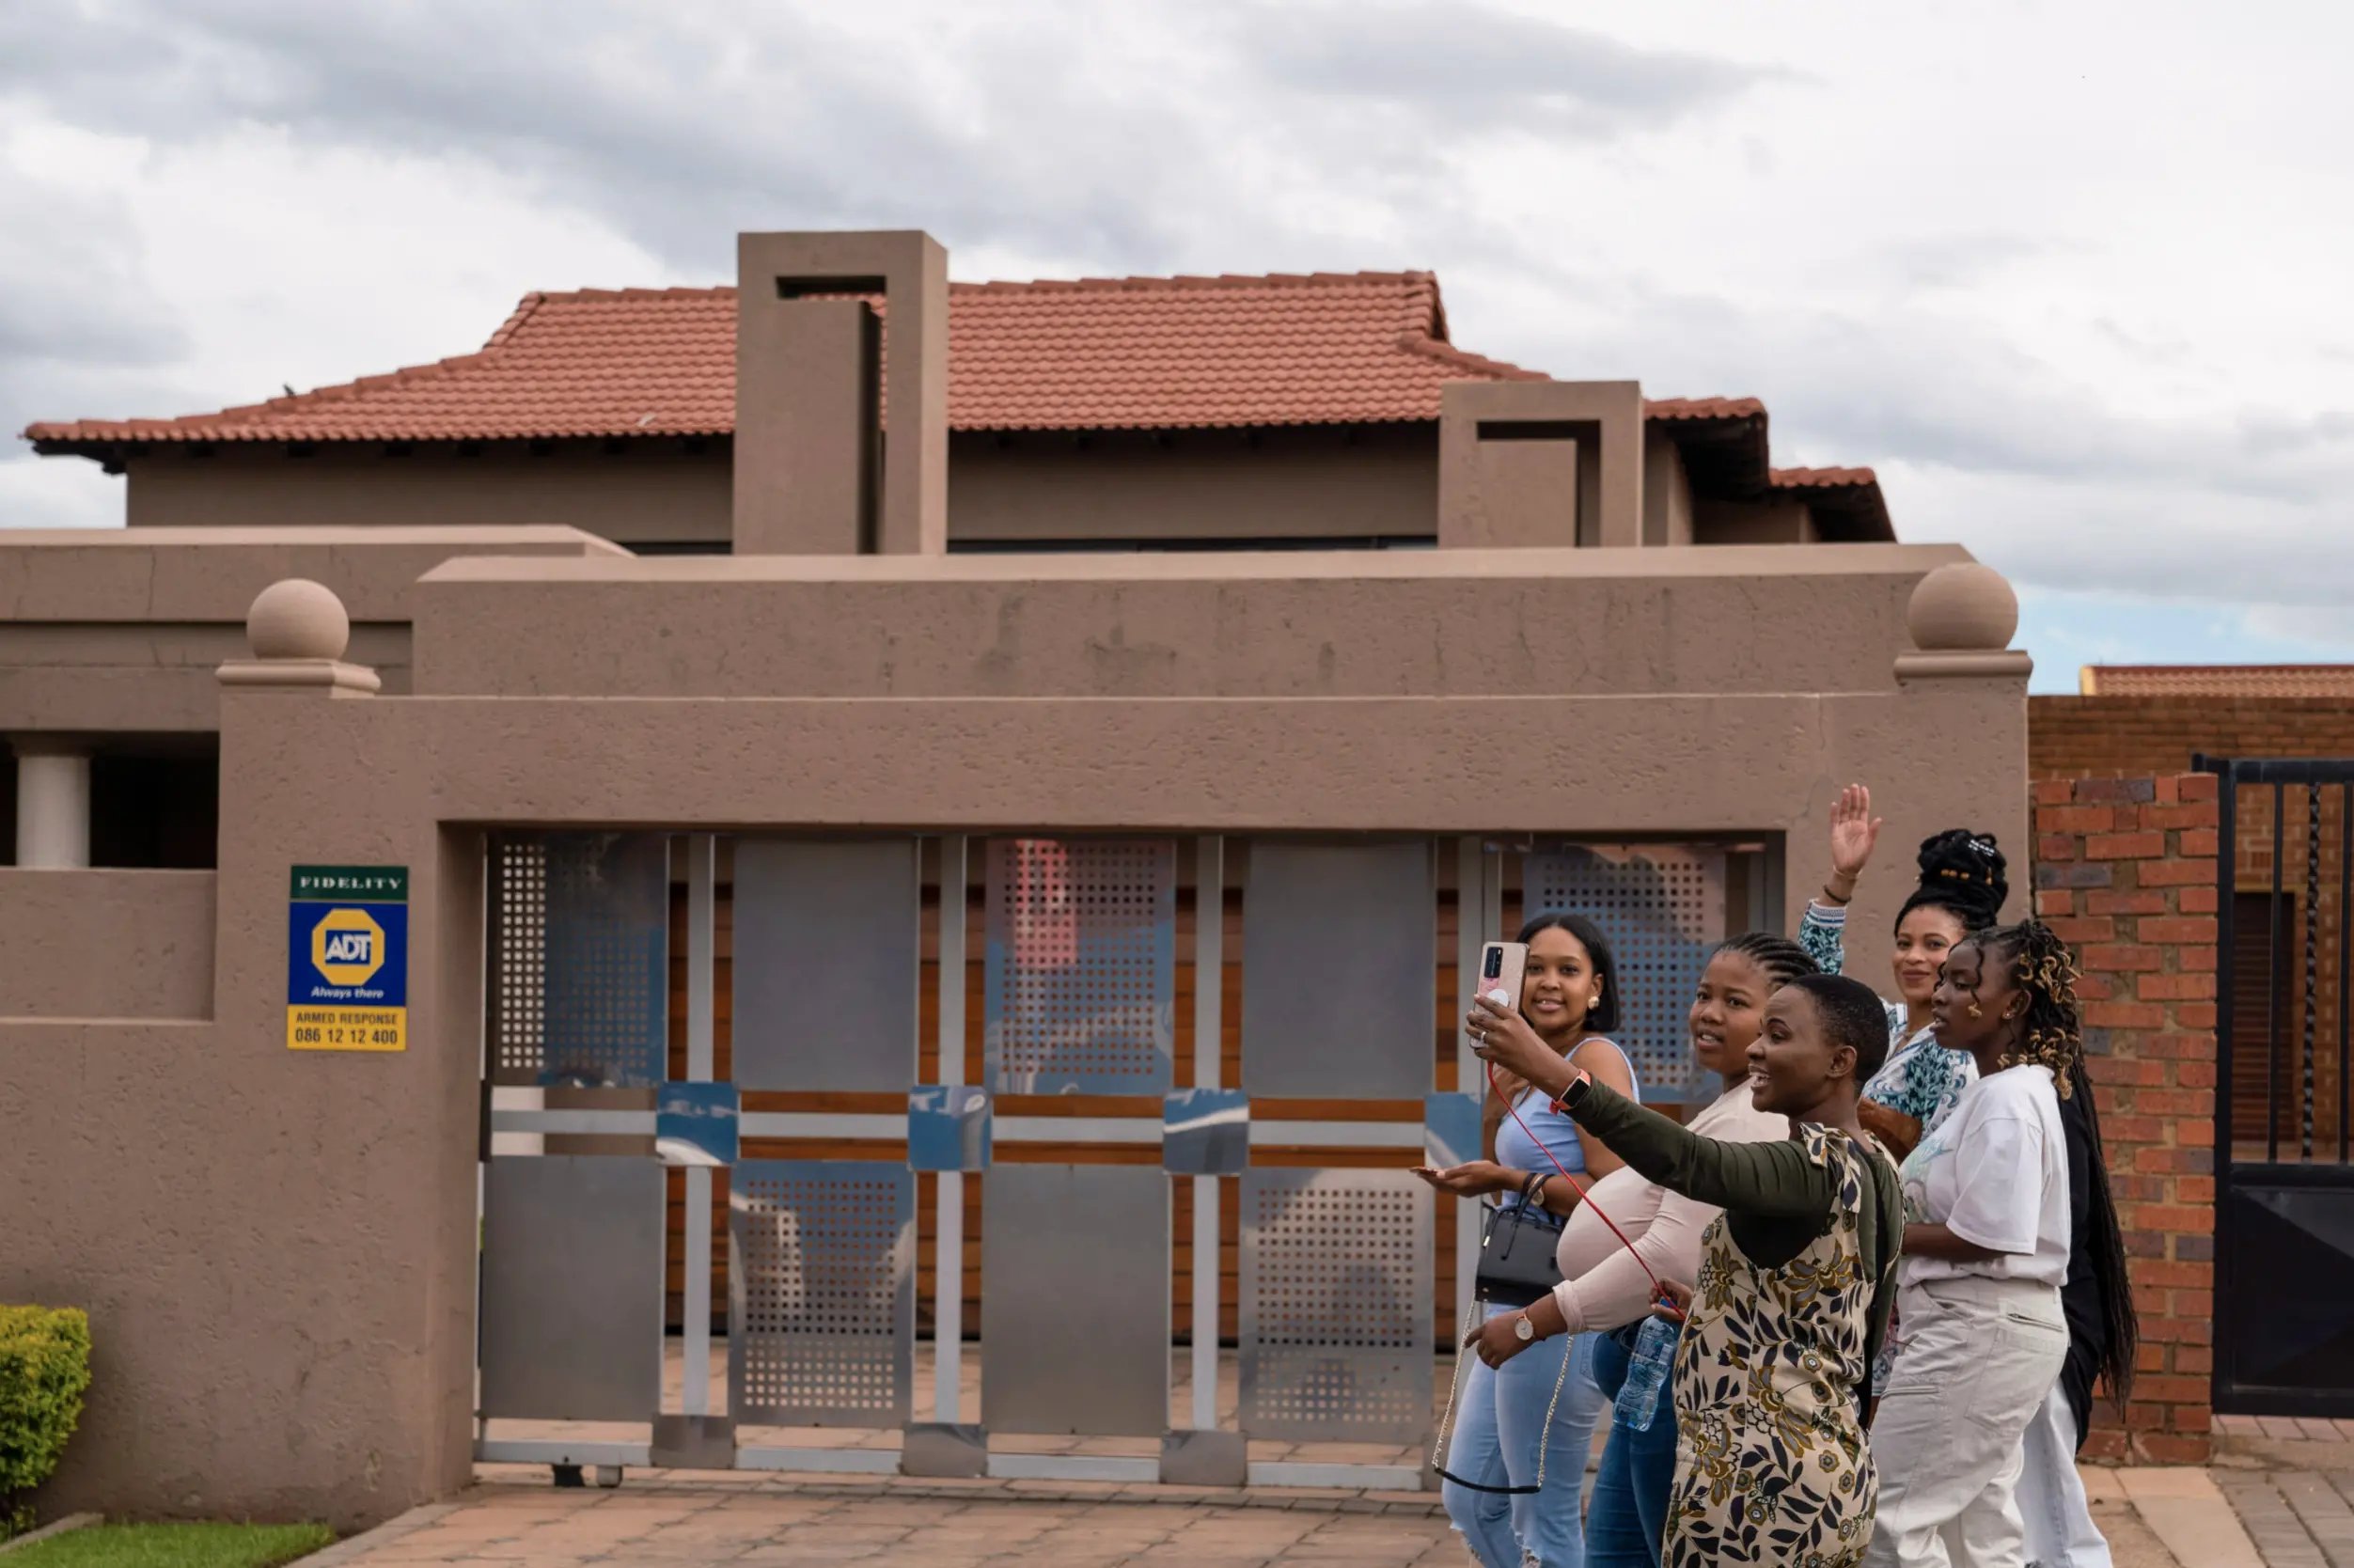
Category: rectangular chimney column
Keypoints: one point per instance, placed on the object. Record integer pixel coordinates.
(836, 454)
(1540, 462)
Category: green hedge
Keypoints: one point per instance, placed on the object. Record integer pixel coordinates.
(44, 1370)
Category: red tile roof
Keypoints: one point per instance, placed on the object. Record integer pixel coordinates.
(1820, 479)
(2216, 681)
(1099, 354)
(1184, 352)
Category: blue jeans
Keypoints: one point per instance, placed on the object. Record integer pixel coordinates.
(1631, 1495)
(1499, 1426)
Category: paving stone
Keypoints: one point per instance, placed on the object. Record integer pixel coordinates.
(2279, 1537)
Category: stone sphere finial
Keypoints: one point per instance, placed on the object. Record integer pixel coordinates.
(1962, 607)
(297, 619)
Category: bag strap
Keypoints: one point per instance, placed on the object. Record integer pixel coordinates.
(1891, 1251)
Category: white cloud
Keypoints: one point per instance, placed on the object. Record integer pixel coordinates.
(2071, 277)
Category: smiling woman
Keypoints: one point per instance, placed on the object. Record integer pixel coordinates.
(1794, 1280)
(1512, 1464)
(1963, 885)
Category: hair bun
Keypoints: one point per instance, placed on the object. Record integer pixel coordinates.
(1965, 867)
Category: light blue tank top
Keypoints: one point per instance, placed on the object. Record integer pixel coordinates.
(1517, 1151)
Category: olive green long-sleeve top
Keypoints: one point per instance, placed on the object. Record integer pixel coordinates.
(1776, 1200)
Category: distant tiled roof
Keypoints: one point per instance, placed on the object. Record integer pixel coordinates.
(1099, 354)
(1183, 352)
(2216, 681)
(1821, 478)
(1150, 354)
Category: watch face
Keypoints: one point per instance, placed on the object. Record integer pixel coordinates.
(1523, 1328)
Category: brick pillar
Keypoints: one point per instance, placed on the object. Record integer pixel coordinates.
(2125, 873)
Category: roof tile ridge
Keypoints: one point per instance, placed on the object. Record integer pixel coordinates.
(238, 415)
(608, 296)
(1174, 281)
(515, 318)
(1803, 478)
(1427, 307)
(1704, 408)
(1428, 347)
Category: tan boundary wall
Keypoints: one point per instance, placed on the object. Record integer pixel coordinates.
(278, 1248)
(106, 943)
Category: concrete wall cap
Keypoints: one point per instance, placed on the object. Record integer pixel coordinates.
(297, 619)
(1962, 606)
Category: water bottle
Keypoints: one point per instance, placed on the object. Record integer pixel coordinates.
(1655, 1354)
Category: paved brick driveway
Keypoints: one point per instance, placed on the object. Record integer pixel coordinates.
(515, 1519)
(541, 1527)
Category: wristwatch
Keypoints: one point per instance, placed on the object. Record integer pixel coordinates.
(1573, 1093)
(1523, 1329)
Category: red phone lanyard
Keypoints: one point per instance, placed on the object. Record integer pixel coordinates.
(1658, 1292)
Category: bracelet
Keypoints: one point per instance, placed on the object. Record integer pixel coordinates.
(1837, 903)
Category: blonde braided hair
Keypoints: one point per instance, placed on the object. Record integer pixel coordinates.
(2052, 1033)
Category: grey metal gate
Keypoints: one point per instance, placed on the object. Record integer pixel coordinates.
(2284, 1181)
(802, 1062)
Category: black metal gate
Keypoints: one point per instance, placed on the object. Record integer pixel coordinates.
(2284, 1167)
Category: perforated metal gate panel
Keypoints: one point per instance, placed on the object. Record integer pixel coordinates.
(519, 923)
(1336, 1306)
(571, 1288)
(821, 1293)
(828, 948)
(1662, 907)
(1340, 969)
(1081, 965)
(608, 927)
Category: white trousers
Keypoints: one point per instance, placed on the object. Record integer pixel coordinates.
(1978, 1358)
(2060, 1528)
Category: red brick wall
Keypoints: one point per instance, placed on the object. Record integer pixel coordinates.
(2146, 737)
(2125, 873)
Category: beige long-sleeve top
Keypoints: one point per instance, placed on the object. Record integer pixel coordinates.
(1602, 1285)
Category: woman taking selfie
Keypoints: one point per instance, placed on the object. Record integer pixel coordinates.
(1963, 884)
(1987, 1247)
(1520, 1436)
(1606, 1289)
(1792, 1294)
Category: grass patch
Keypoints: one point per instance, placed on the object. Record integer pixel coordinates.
(201, 1546)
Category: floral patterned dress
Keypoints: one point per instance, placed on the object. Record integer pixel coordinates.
(1771, 1463)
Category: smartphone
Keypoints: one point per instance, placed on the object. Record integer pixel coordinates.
(1503, 966)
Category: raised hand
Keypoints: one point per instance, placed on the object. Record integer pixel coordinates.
(1854, 832)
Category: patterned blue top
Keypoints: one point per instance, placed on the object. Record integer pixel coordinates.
(1921, 1078)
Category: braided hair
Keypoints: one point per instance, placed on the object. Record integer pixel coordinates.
(1963, 873)
(1781, 959)
(2052, 1036)
(2046, 973)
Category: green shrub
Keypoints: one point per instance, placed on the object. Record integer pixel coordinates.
(44, 1371)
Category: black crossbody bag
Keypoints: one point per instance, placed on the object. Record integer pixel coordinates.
(1517, 1264)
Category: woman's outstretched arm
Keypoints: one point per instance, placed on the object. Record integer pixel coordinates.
(1775, 1180)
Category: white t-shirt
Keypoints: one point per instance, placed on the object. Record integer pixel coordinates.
(1994, 1171)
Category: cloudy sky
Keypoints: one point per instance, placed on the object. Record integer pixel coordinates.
(2073, 276)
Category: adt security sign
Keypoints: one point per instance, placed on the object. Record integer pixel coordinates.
(347, 962)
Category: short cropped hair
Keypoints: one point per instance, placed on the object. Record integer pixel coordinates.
(1852, 1016)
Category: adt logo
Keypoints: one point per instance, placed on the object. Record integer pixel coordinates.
(348, 947)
